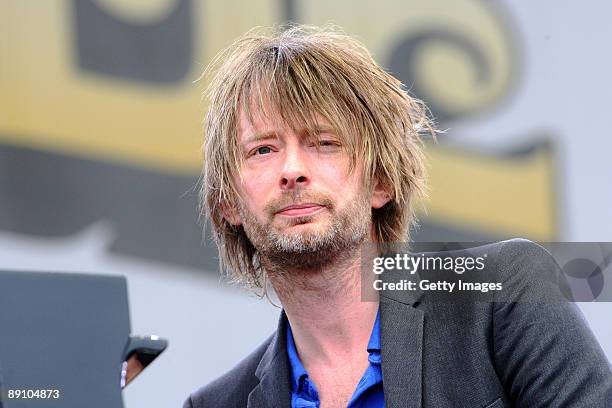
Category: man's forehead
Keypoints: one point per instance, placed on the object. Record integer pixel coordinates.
(258, 123)
(273, 123)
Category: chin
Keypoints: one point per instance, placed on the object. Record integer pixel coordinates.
(307, 220)
(306, 228)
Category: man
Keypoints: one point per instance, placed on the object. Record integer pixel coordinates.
(312, 167)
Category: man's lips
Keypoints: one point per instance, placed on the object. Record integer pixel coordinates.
(301, 209)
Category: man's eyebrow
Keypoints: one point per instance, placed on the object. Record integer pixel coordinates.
(323, 128)
(273, 134)
(259, 136)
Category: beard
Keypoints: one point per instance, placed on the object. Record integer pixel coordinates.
(283, 244)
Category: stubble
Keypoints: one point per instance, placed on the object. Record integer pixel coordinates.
(284, 245)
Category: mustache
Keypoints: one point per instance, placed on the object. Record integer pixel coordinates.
(298, 197)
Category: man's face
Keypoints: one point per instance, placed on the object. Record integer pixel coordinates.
(298, 199)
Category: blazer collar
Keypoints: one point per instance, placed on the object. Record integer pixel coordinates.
(401, 325)
(274, 388)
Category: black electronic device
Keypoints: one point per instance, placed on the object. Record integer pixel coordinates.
(65, 339)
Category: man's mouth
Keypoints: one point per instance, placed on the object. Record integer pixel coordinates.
(300, 210)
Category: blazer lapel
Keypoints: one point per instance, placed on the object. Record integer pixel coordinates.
(274, 388)
(401, 352)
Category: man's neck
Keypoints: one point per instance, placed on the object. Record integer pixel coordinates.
(330, 321)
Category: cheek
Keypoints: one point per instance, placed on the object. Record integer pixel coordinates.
(258, 184)
(338, 180)
(334, 169)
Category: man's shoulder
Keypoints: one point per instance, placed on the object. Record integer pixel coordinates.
(529, 273)
(516, 261)
(232, 388)
(512, 249)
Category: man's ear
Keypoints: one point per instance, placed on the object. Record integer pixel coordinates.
(231, 214)
(380, 195)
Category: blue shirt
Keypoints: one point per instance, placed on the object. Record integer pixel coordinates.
(369, 391)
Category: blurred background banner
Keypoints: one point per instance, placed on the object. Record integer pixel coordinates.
(100, 134)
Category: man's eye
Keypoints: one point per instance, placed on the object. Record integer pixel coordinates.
(328, 144)
(263, 150)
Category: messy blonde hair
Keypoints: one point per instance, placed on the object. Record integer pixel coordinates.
(297, 73)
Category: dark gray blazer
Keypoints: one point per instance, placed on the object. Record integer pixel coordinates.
(448, 354)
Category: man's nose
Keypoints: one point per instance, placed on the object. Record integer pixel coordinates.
(295, 171)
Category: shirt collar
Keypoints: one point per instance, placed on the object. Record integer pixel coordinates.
(374, 343)
(298, 372)
(374, 356)
(297, 369)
